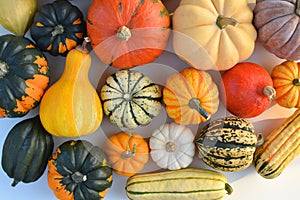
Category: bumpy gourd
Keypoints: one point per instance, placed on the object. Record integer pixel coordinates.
(71, 106)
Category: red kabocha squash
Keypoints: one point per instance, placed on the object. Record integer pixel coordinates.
(128, 33)
(247, 90)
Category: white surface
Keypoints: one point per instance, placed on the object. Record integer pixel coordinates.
(247, 184)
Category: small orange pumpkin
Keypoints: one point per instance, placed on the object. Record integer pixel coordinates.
(286, 81)
(127, 153)
(191, 97)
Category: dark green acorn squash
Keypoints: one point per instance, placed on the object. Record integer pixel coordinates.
(24, 75)
(228, 144)
(58, 27)
(79, 170)
(26, 151)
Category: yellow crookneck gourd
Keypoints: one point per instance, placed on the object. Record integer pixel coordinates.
(71, 107)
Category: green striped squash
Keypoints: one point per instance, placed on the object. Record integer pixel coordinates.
(188, 183)
(228, 144)
(130, 99)
(280, 148)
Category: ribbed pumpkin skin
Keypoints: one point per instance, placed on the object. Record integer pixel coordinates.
(227, 144)
(130, 98)
(186, 184)
(277, 24)
(126, 33)
(280, 148)
(26, 151)
(79, 170)
(58, 27)
(24, 76)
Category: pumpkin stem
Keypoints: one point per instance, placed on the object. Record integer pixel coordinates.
(3, 69)
(78, 177)
(14, 183)
(228, 188)
(83, 47)
(223, 22)
(296, 81)
(59, 29)
(270, 92)
(194, 103)
(170, 147)
(124, 33)
(128, 154)
(298, 8)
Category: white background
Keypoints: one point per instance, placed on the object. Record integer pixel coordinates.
(247, 184)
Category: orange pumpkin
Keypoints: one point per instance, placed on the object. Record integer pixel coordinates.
(191, 97)
(127, 33)
(286, 81)
(127, 153)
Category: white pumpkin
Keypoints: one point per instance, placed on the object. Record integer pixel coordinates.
(172, 146)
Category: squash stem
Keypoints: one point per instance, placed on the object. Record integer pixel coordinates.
(228, 188)
(3, 69)
(78, 177)
(296, 82)
(223, 22)
(59, 29)
(270, 92)
(194, 103)
(297, 11)
(14, 183)
(127, 153)
(260, 139)
(83, 46)
(170, 147)
(124, 33)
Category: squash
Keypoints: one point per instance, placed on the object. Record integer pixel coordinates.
(247, 90)
(130, 99)
(17, 15)
(128, 153)
(190, 96)
(79, 170)
(77, 110)
(172, 146)
(280, 148)
(286, 81)
(228, 144)
(58, 27)
(219, 32)
(24, 76)
(190, 183)
(26, 151)
(125, 34)
(277, 24)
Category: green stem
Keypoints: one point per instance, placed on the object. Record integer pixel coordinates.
(59, 29)
(270, 92)
(223, 22)
(3, 69)
(228, 188)
(296, 82)
(196, 104)
(78, 177)
(127, 153)
(14, 183)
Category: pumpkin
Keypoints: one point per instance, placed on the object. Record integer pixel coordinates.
(190, 183)
(247, 90)
(130, 99)
(128, 153)
(58, 27)
(277, 24)
(26, 151)
(79, 170)
(213, 34)
(172, 146)
(24, 76)
(286, 81)
(228, 144)
(190, 96)
(17, 15)
(125, 33)
(281, 147)
(71, 107)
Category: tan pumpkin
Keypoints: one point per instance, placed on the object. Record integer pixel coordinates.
(213, 34)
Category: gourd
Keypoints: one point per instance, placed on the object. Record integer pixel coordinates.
(189, 183)
(79, 170)
(58, 27)
(280, 148)
(127, 153)
(172, 146)
(228, 144)
(24, 76)
(247, 90)
(17, 15)
(277, 24)
(190, 96)
(71, 107)
(130, 98)
(26, 151)
(220, 32)
(125, 34)
(286, 81)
